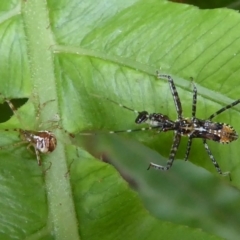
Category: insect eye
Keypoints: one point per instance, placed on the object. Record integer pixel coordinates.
(142, 117)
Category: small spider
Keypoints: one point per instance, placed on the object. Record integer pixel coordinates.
(41, 141)
(191, 127)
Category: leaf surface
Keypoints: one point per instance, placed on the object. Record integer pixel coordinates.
(67, 51)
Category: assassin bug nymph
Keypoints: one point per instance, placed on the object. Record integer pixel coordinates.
(191, 127)
(197, 128)
(41, 141)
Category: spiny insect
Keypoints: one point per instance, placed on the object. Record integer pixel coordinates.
(41, 141)
(191, 127)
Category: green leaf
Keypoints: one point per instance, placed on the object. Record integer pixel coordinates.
(68, 50)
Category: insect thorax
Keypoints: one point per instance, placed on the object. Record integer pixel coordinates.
(161, 121)
(185, 126)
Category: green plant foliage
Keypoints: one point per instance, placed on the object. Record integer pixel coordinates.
(67, 51)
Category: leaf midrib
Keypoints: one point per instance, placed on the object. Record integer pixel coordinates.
(58, 189)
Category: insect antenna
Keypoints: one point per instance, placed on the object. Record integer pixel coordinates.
(119, 131)
(142, 117)
(119, 104)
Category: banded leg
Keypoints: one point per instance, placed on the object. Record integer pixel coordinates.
(175, 95)
(224, 109)
(37, 153)
(194, 103)
(194, 107)
(215, 162)
(13, 145)
(38, 157)
(174, 148)
(189, 144)
(41, 107)
(39, 124)
(28, 148)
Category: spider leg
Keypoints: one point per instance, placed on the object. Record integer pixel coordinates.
(224, 109)
(29, 148)
(48, 168)
(215, 162)
(38, 157)
(36, 152)
(39, 109)
(173, 89)
(13, 145)
(174, 148)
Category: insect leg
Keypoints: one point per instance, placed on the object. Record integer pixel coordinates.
(224, 109)
(189, 144)
(215, 162)
(194, 103)
(174, 148)
(175, 95)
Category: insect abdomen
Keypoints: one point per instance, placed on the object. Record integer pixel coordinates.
(223, 132)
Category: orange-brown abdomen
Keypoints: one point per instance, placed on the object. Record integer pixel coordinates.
(227, 134)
